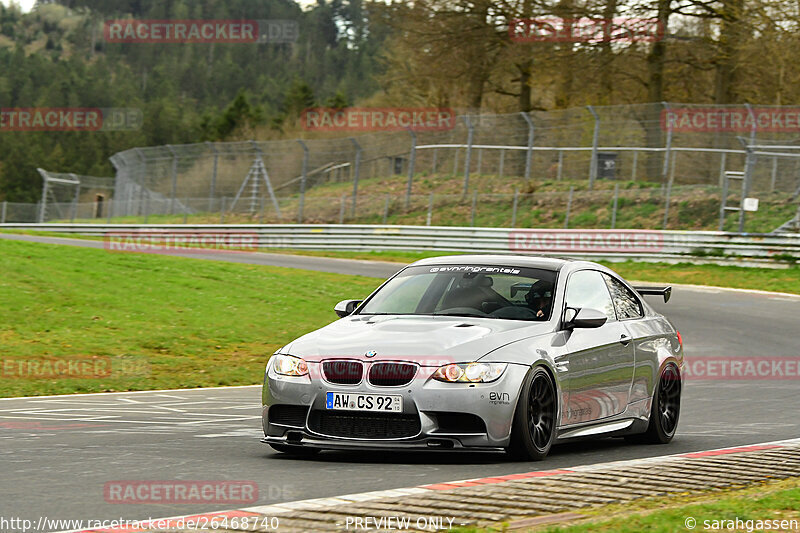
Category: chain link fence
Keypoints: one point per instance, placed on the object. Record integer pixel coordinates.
(662, 149)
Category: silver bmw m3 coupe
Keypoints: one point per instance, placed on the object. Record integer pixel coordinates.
(480, 352)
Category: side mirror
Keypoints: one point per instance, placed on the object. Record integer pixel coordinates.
(346, 307)
(584, 318)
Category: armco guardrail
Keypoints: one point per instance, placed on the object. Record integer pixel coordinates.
(597, 244)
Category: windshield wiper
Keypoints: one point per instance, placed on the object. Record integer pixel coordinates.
(474, 315)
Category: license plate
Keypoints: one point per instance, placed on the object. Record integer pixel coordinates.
(347, 401)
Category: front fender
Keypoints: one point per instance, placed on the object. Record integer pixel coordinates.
(543, 350)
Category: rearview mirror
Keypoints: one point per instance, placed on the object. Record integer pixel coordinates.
(346, 307)
(584, 318)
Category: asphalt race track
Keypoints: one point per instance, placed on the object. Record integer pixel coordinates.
(59, 452)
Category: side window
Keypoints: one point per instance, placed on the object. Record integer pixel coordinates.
(625, 302)
(586, 288)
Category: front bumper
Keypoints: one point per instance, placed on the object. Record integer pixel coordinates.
(425, 443)
(445, 416)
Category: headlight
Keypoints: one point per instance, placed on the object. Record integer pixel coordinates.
(470, 372)
(289, 365)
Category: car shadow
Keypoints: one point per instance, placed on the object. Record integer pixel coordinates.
(577, 448)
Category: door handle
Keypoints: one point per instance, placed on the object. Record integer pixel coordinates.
(624, 339)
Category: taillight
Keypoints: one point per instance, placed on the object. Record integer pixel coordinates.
(680, 339)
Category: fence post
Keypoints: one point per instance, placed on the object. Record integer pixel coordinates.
(433, 166)
(722, 165)
(341, 210)
(303, 176)
(386, 210)
(560, 165)
(723, 203)
(666, 203)
(514, 207)
(75, 198)
(412, 160)
(356, 170)
(668, 146)
(480, 160)
(146, 208)
(750, 162)
(529, 151)
(502, 163)
(43, 202)
(470, 135)
(797, 171)
(614, 210)
(474, 208)
(754, 124)
(174, 179)
(3, 213)
(213, 189)
(635, 162)
(595, 137)
(774, 173)
(430, 210)
(796, 219)
(569, 207)
(143, 175)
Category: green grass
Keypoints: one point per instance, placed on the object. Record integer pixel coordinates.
(765, 279)
(774, 501)
(164, 322)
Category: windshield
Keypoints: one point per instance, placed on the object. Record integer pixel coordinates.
(504, 292)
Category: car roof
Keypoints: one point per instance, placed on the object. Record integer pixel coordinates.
(535, 261)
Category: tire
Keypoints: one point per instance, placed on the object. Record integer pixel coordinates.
(665, 410)
(534, 427)
(299, 451)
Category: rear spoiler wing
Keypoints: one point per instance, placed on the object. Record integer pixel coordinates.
(666, 292)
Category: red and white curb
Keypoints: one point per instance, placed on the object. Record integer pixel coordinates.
(321, 503)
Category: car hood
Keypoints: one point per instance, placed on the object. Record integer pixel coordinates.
(429, 340)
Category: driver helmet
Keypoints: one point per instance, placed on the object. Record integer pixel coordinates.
(540, 294)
